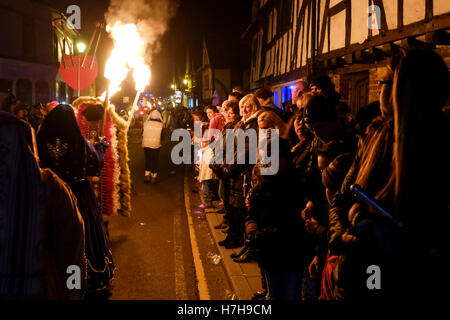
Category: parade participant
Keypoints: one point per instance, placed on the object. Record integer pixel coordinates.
(49, 106)
(113, 186)
(21, 112)
(36, 116)
(63, 149)
(42, 230)
(152, 142)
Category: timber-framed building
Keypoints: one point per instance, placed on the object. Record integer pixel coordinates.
(347, 39)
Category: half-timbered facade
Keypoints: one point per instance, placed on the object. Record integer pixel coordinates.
(347, 39)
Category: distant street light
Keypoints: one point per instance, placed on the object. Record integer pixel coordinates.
(173, 86)
(185, 81)
(80, 47)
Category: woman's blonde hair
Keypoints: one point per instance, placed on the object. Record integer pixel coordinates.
(274, 121)
(252, 100)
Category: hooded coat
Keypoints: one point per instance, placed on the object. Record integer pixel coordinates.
(41, 229)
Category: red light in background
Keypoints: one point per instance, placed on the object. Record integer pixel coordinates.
(141, 113)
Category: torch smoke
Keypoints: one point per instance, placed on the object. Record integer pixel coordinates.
(151, 18)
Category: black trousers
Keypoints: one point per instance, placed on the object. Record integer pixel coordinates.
(151, 159)
(236, 223)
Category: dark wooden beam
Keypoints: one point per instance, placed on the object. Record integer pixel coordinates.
(348, 22)
(300, 19)
(313, 35)
(414, 29)
(388, 49)
(376, 53)
(338, 8)
(337, 62)
(324, 26)
(440, 37)
(428, 9)
(380, 4)
(349, 58)
(414, 43)
(400, 13)
(363, 56)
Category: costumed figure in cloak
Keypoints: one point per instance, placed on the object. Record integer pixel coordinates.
(42, 231)
(63, 149)
(113, 186)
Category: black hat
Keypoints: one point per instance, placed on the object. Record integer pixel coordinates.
(93, 113)
(319, 109)
(324, 83)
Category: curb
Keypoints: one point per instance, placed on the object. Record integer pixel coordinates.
(245, 278)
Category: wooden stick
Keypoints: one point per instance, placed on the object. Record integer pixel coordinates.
(95, 50)
(70, 48)
(63, 52)
(135, 102)
(106, 106)
(89, 46)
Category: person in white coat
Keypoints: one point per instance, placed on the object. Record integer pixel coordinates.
(152, 142)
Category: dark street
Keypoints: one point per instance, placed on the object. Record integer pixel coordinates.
(151, 248)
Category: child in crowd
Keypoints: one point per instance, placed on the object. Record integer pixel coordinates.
(206, 175)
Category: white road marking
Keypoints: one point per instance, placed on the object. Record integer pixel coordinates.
(180, 278)
(199, 271)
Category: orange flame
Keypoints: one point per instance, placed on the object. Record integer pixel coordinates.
(127, 55)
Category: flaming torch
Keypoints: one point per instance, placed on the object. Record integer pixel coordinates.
(127, 54)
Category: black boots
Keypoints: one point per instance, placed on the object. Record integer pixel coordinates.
(243, 250)
(231, 243)
(248, 256)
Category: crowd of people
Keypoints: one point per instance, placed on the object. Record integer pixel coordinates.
(354, 199)
(54, 242)
(359, 205)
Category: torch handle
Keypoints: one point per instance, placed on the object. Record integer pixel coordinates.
(357, 191)
(89, 46)
(95, 50)
(106, 103)
(63, 51)
(135, 102)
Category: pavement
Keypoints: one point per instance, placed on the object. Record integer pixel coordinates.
(244, 278)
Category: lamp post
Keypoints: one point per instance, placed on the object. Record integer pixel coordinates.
(80, 47)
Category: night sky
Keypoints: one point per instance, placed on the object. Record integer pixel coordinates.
(220, 22)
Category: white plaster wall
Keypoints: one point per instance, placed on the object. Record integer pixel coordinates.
(337, 25)
(413, 11)
(391, 9)
(359, 29)
(441, 7)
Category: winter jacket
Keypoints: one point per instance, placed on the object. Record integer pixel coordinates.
(240, 174)
(343, 200)
(280, 237)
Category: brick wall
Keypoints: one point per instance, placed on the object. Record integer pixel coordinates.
(373, 84)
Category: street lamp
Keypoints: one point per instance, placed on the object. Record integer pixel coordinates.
(80, 47)
(185, 81)
(173, 86)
